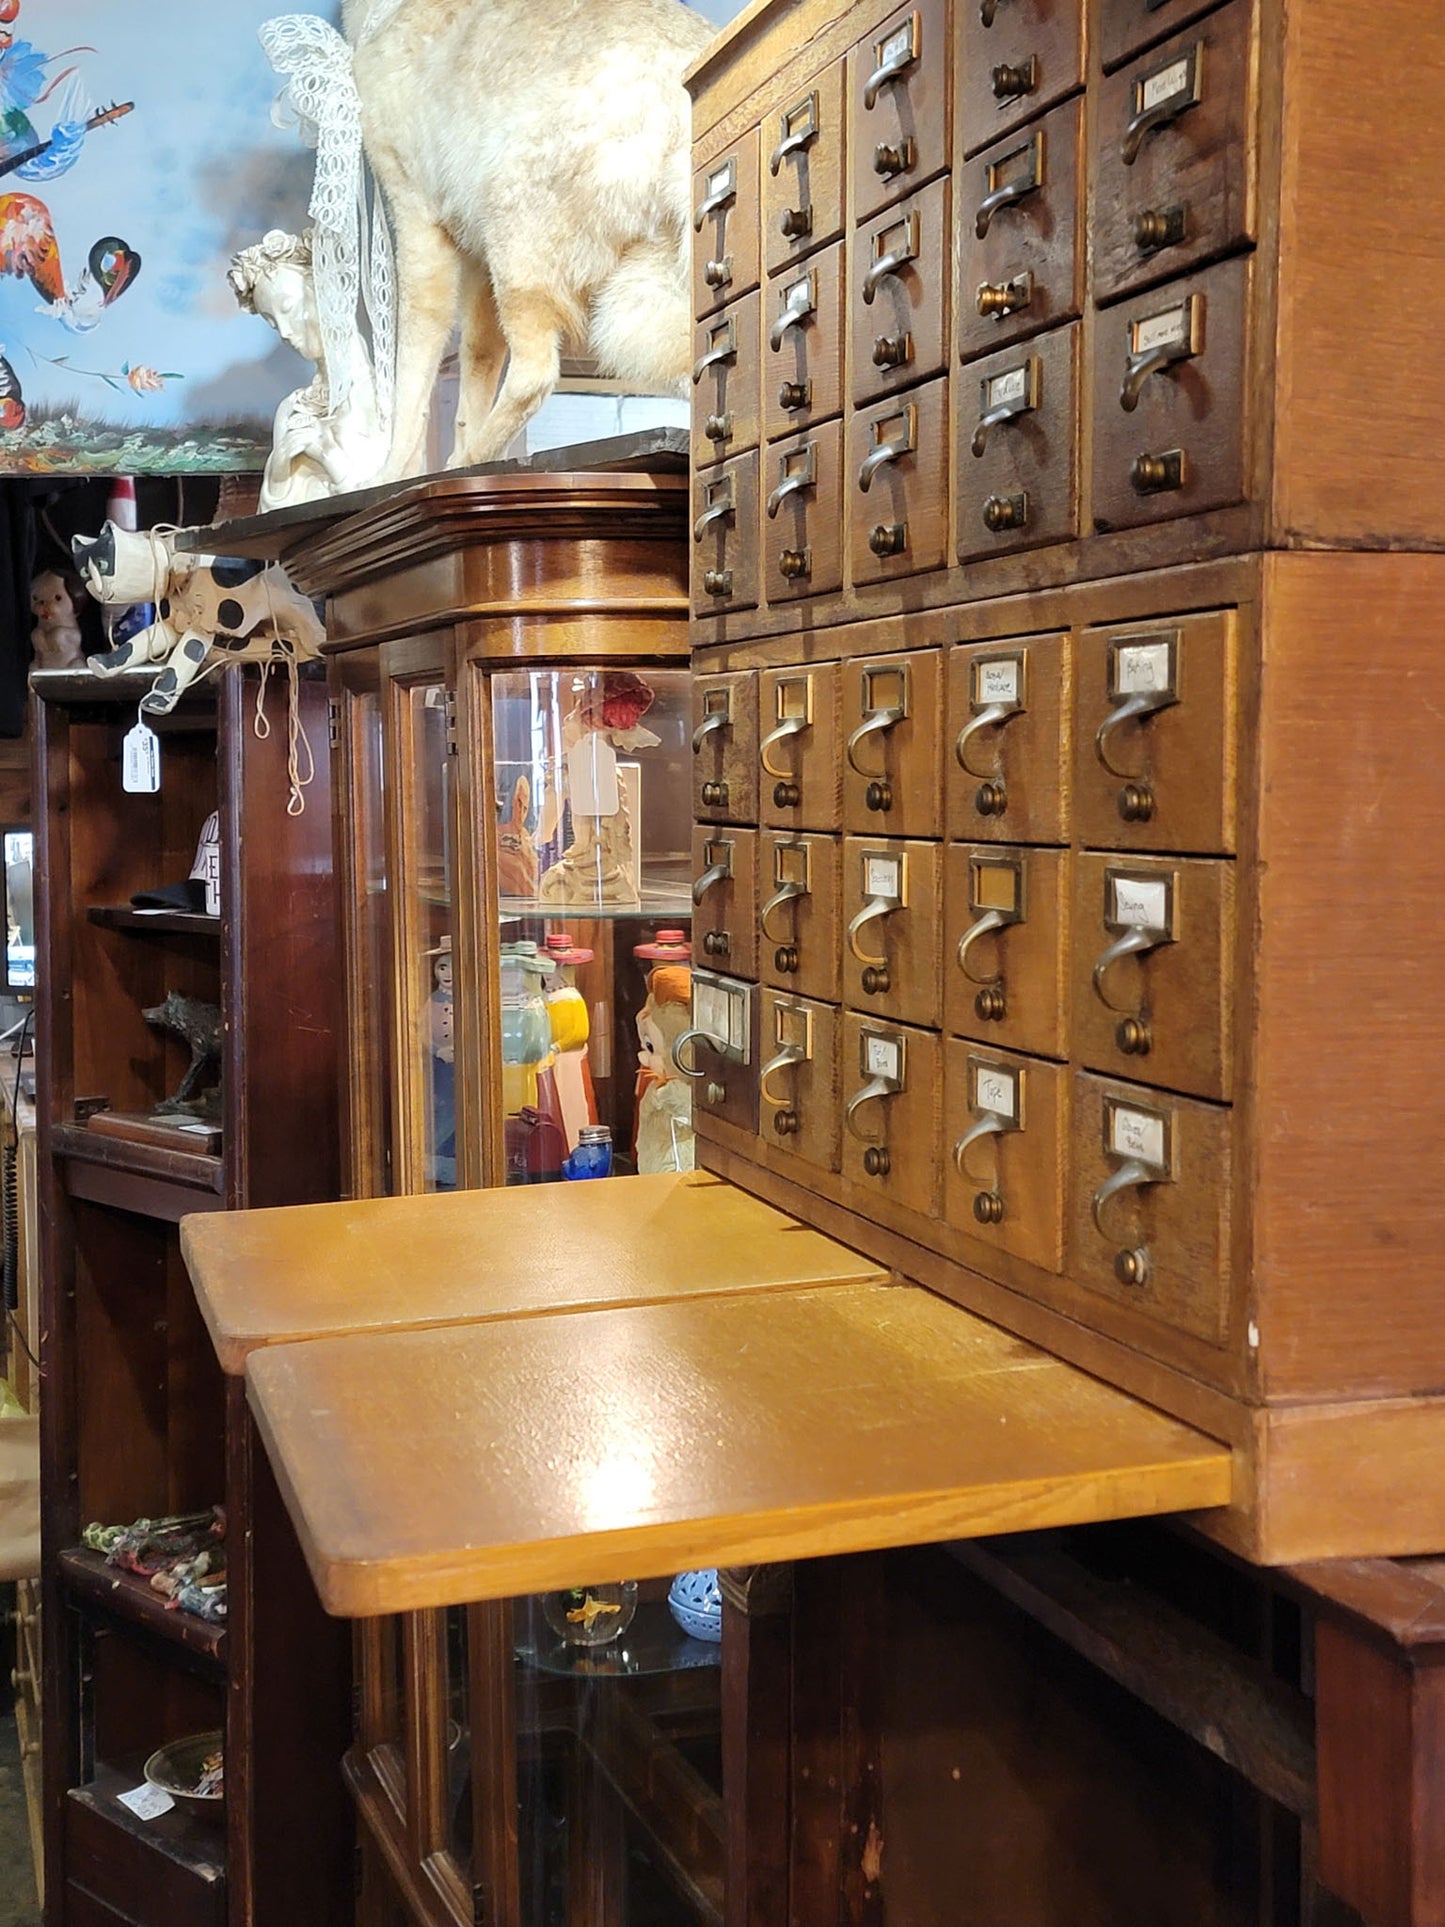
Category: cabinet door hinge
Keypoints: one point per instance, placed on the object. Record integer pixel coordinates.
(479, 1904)
(333, 721)
(451, 722)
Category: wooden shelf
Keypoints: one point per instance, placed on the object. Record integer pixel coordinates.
(188, 923)
(151, 1180)
(196, 1846)
(127, 1596)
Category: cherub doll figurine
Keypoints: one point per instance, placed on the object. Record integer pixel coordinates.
(327, 437)
(55, 599)
(664, 1096)
(599, 865)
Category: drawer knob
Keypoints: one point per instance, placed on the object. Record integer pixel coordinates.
(1134, 1037)
(785, 1123)
(1158, 474)
(888, 538)
(876, 1161)
(876, 980)
(794, 395)
(714, 795)
(1004, 512)
(716, 1093)
(717, 582)
(717, 274)
(988, 1207)
(795, 563)
(718, 428)
(995, 299)
(787, 796)
(785, 959)
(1136, 803)
(716, 943)
(1158, 227)
(879, 795)
(892, 157)
(892, 351)
(991, 1006)
(796, 222)
(1010, 83)
(990, 799)
(1132, 1267)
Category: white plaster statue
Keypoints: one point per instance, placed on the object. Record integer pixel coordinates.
(534, 159)
(328, 437)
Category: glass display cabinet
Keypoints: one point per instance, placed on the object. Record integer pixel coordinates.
(513, 760)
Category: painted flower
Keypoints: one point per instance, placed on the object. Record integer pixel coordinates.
(145, 381)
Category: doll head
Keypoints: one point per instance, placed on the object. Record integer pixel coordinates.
(663, 1018)
(55, 597)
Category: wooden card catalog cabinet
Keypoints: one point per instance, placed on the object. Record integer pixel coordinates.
(1128, 634)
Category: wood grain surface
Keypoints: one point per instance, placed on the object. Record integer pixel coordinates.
(428, 1468)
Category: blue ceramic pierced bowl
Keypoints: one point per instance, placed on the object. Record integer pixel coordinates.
(696, 1604)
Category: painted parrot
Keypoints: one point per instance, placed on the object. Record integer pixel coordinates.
(29, 250)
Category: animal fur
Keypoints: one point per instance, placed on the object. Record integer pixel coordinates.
(55, 599)
(534, 159)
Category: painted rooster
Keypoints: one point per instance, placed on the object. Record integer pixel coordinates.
(12, 402)
(29, 250)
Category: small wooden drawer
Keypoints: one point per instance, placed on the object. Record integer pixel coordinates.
(893, 744)
(799, 922)
(1010, 725)
(1017, 469)
(719, 1053)
(799, 1110)
(899, 302)
(1015, 58)
(1021, 233)
(725, 536)
(1156, 734)
(890, 1081)
(800, 759)
(1169, 400)
(1151, 1188)
(1005, 1150)
(898, 85)
(1153, 969)
(1126, 27)
(1006, 946)
(893, 928)
(802, 350)
(802, 169)
(725, 899)
(898, 485)
(725, 747)
(726, 241)
(803, 515)
(1175, 155)
(727, 401)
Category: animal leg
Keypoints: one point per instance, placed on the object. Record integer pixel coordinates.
(427, 277)
(177, 676)
(483, 354)
(535, 328)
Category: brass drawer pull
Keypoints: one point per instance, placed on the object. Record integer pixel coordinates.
(997, 299)
(871, 725)
(718, 582)
(793, 395)
(800, 303)
(719, 872)
(875, 1088)
(988, 11)
(786, 893)
(1131, 1173)
(1004, 512)
(725, 350)
(990, 921)
(795, 564)
(888, 538)
(883, 265)
(713, 723)
(714, 512)
(1138, 369)
(718, 428)
(1158, 227)
(989, 1125)
(1005, 412)
(789, 1055)
(895, 56)
(1161, 97)
(1004, 196)
(892, 351)
(795, 139)
(789, 726)
(986, 718)
(792, 482)
(1142, 703)
(689, 1037)
(1135, 942)
(723, 187)
(717, 274)
(1158, 474)
(1012, 83)
(876, 907)
(892, 450)
(796, 223)
(893, 157)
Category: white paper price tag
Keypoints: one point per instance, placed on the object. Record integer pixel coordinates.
(146, 1802)
(140, 761)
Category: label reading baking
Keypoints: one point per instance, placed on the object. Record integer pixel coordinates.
(1009, 390)
(1174, 80)
(1138, 1134)
(1167, 330)
(996, 681)
(140, 761)
(996, 1090)
(883, 1057)
(1140, 902)
(1143, 668)
(899, 44)
(882, 876)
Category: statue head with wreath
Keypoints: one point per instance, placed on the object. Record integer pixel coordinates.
(273, 279)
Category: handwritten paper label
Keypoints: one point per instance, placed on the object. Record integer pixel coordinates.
(898, 44)
(798, 296)
(882, 876)
(1166, 330)
(996, 1090)
(882, 1057)
(1138, 1134)
(1008, 390)
(146, 1802)
(996, 681)
(1169, 81)
(1140, 902)
(1143, 668)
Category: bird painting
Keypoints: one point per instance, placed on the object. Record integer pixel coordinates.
(30, 251)
(25, 84)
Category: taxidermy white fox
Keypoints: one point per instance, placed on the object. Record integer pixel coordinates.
(534, 159)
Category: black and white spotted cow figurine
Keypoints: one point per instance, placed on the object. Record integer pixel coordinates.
(246, 611)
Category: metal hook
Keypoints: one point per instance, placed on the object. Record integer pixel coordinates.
(879, 720)
(789, 726)
(687, 1037)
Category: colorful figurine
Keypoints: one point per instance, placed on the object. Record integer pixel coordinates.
(664, 1096)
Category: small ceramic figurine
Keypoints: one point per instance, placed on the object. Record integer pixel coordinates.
(55, 599)
(516, 851)
(198, 1025)
(600, 864)
(319, 446)
(664, 1096)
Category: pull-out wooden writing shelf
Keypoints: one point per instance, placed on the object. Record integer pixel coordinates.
(434, 1467)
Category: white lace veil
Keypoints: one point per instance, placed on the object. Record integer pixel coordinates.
(351, 245)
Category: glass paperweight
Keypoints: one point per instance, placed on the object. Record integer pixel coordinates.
(591, 1615)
